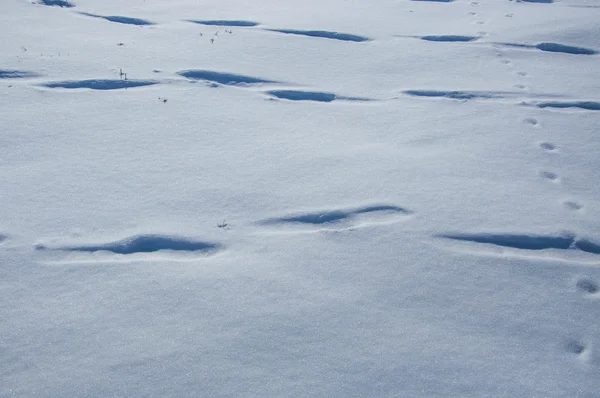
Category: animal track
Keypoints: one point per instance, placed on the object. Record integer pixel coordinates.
(334, 217)
(459, 95)
(295, 95)
(3, 238)
(222, 78)
(16, 74)
(549, 175)
(120, 19)
(531, 121)
(575, 347)
(548, 146)
(573, 205)
(238, 23)
(322, 34)
(450, 38)
(98, 84)
(587, 105)
(529, 242)
(143, 244)
(57, 3)
(587, 286)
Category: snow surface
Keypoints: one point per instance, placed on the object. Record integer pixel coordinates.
(310, 198)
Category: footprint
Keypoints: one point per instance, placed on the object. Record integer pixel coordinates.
(341, 218)
(587, 286)
(575, 347)
(522, 74)
(531, 121)
(3, 238)
(573, 205)
(99, 84)
(550, 176)
(548, 146)
(140, 244)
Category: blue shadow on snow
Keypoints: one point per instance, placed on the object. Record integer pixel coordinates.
(222, 78)
(144, 244)
(97, 84)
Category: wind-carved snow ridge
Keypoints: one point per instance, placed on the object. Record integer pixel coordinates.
(224, 22)
(120, 19)
(222, 77)
(437, 1)
(141, 244)
(16, 74)
(324, 34)
(529, 242)
(316, 96)
(57, 3)
(99, 84)
(371, 214)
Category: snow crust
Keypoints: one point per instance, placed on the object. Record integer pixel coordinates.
(311, 198)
